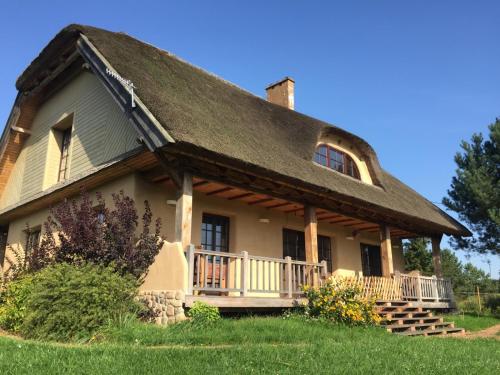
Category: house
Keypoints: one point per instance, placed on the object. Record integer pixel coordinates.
(256, 198)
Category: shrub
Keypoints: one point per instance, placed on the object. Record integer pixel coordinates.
(492, 303)
(70, 302)
(203, 314)
(102, 236)
(340, 302)
(13, 301)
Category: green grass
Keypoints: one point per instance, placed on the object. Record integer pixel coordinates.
(252, 345)
(472, 322)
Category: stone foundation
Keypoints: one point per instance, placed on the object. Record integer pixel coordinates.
(168, 304)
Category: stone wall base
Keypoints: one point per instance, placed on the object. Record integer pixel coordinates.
(168, 304)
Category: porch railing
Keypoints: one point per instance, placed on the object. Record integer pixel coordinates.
(243, 274)
(403, 287)
(425, 288)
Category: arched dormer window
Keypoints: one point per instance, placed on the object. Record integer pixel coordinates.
(336, 160)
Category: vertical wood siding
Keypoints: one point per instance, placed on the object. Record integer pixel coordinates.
(100, 132)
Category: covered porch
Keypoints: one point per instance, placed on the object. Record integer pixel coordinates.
(262, 275)
(246, 281)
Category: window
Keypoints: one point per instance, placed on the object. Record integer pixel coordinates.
(32, 239)
(371, 260)
(63, 163)
(294, 247)
(336, 160)
(294, 244)
(325, 251)
(215, 233)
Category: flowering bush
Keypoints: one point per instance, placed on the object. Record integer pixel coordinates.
(340, 302)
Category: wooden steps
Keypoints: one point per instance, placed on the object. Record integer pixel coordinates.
(403, 318)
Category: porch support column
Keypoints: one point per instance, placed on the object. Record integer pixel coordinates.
(184, 211)
(386, 251)
(311, 238)
(436, 255)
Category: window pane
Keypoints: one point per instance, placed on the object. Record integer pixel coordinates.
(215, 233)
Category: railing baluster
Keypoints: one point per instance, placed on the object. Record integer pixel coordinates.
(221, 271)
(190, 270)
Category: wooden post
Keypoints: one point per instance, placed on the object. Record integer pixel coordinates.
(184, 211)
(190, 257)
(435, 290)
(436, 255)
(311, 239)
(386, 251)
(289, 283)
(245, 273)
(419, 289)
(478, 299)
(324, 269)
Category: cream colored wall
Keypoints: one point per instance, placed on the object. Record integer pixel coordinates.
(100, 132)
(345, 146)
(246, 232)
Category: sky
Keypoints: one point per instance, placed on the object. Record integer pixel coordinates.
(412, 78)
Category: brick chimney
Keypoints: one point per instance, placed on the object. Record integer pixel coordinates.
(282, 93)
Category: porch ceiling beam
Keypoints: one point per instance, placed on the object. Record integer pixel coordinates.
(202, 165)
(343, 219)
(279, 205)
(328, 217)
(200, 183)
(240, 196)
(294, 210)
(264, 200)
(221, 190)
(363, 226)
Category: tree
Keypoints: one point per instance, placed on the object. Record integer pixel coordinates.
(417, 256)
(79, 232)
(475, 192)
(452, 268)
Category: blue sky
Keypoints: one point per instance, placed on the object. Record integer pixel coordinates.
(412, 78)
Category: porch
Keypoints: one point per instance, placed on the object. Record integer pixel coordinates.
(230, 280)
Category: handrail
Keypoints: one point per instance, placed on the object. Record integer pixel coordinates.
(222, 272)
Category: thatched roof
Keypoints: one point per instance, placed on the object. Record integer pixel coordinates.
(197, 108)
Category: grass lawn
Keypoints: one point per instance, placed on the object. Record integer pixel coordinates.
(253, 345)
(472, 322)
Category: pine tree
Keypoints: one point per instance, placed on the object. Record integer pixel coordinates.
(475, 192)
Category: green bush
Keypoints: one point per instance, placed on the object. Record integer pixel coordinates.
(203, 314)
(13, 301)
(492, 303)
(69, 303)
(340, 301)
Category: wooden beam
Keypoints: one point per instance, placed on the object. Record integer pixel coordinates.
(436, 255)
(294, 210)
(386, 251)
(201, 183)
(279, 205)
(20, 130)
(239, 196)
(184, 211)
(311, 237)
(171, 171)
(264, 200)
(218, 191)
(328, 217)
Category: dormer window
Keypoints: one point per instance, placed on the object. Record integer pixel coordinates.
(337, 160)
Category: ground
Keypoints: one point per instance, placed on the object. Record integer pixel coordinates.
(252, 345)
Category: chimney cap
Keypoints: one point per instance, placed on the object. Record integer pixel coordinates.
(287, 78)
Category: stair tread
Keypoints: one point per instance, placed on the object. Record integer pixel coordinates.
(416, 318)
(417, 325)
(431, 331)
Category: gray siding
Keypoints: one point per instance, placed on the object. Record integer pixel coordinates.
(101, 132)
